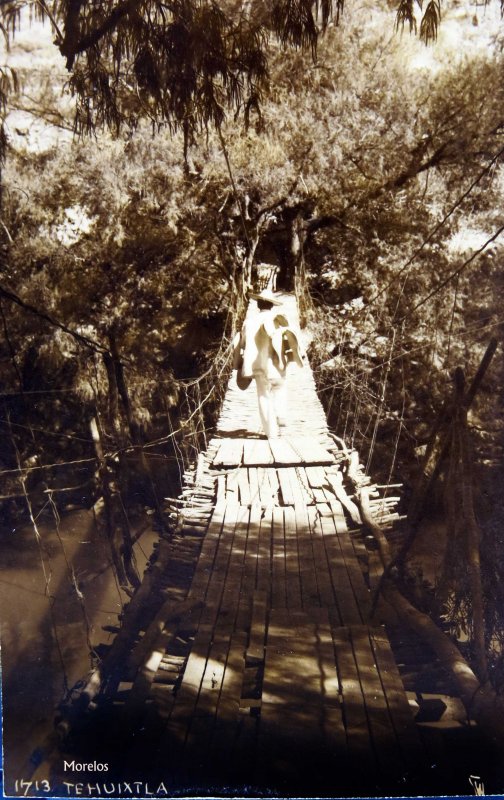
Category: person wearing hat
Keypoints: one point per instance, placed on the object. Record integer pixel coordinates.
(263, 350)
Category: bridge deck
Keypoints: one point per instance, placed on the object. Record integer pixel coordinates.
(271, 679)
(284, 685)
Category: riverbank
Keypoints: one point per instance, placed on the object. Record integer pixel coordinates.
(49, 623)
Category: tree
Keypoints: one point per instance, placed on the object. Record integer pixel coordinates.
(183, 63)
(362, 184)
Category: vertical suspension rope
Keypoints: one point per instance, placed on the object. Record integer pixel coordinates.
(235, 191)
(452, 318)
(381, 402)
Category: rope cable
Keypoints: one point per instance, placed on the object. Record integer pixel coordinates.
(79, 337)
(71, 575)
(453, 274)
(400, 427)
(452, 319)
(381, 403)
(462, 334)
(432, 233)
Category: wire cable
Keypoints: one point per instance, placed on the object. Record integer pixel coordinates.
(432, 233)
(453, 274)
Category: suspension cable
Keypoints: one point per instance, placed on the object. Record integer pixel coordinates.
(432, 233)
(453, 274)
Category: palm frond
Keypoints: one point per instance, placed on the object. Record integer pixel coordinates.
(430, 22)
(294, 24)
(406, 16)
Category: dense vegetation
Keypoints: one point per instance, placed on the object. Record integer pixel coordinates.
(371, 184)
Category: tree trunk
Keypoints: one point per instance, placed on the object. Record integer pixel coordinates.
(136, 438)
(113, 415)
(121, 389)
(480, 701)
(292, 250)
(108, 501)
(472, 547)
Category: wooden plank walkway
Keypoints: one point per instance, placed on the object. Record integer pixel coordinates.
(275, 681)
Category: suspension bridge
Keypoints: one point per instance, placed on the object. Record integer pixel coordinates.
(249, 661)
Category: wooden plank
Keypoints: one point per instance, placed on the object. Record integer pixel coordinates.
(279, 622)
(253, 479)
(300, 698)
(316, 476)
(323, 573)
(244, 487)
(171, 612)
(360, 549)
(244, 755)
(228, 709)
(310, 450)
(177, 728)
(297, 492)
(306, 489)
(283, 453)
(220, 567)
(269, 487)
(319, 495)
(274, 482)
(278, 587)
(342, 588)
(257, 640)
(196, 751)
(397, 701)
(232, 486)
(285, 486)
(249, 578)
(360, 750)
(233, 576)
(257, 452)
(300, 667)
(284, 749)
(229, 454)
(142, 685)
(213, 676)
(354, 571)
(307, 569)
(337, 512)
(264, 487)
(385, 743)
(203, 759)
(279, 680)
(264, 454)
(264, 578)
(292, 569)
(317, 633)
(249, 452)
(221, 490)
(206, 558)
(196, 664)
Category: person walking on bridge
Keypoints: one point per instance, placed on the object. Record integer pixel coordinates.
(266, 345)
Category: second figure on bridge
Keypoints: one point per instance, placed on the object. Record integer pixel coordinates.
(262, 351)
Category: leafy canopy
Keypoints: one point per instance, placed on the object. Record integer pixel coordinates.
(182, 63)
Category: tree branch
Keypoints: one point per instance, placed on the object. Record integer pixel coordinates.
(71, 47)
(79, 337)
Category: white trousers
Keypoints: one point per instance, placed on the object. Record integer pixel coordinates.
(271, 398)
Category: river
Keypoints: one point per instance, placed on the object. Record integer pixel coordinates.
(46, 628)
